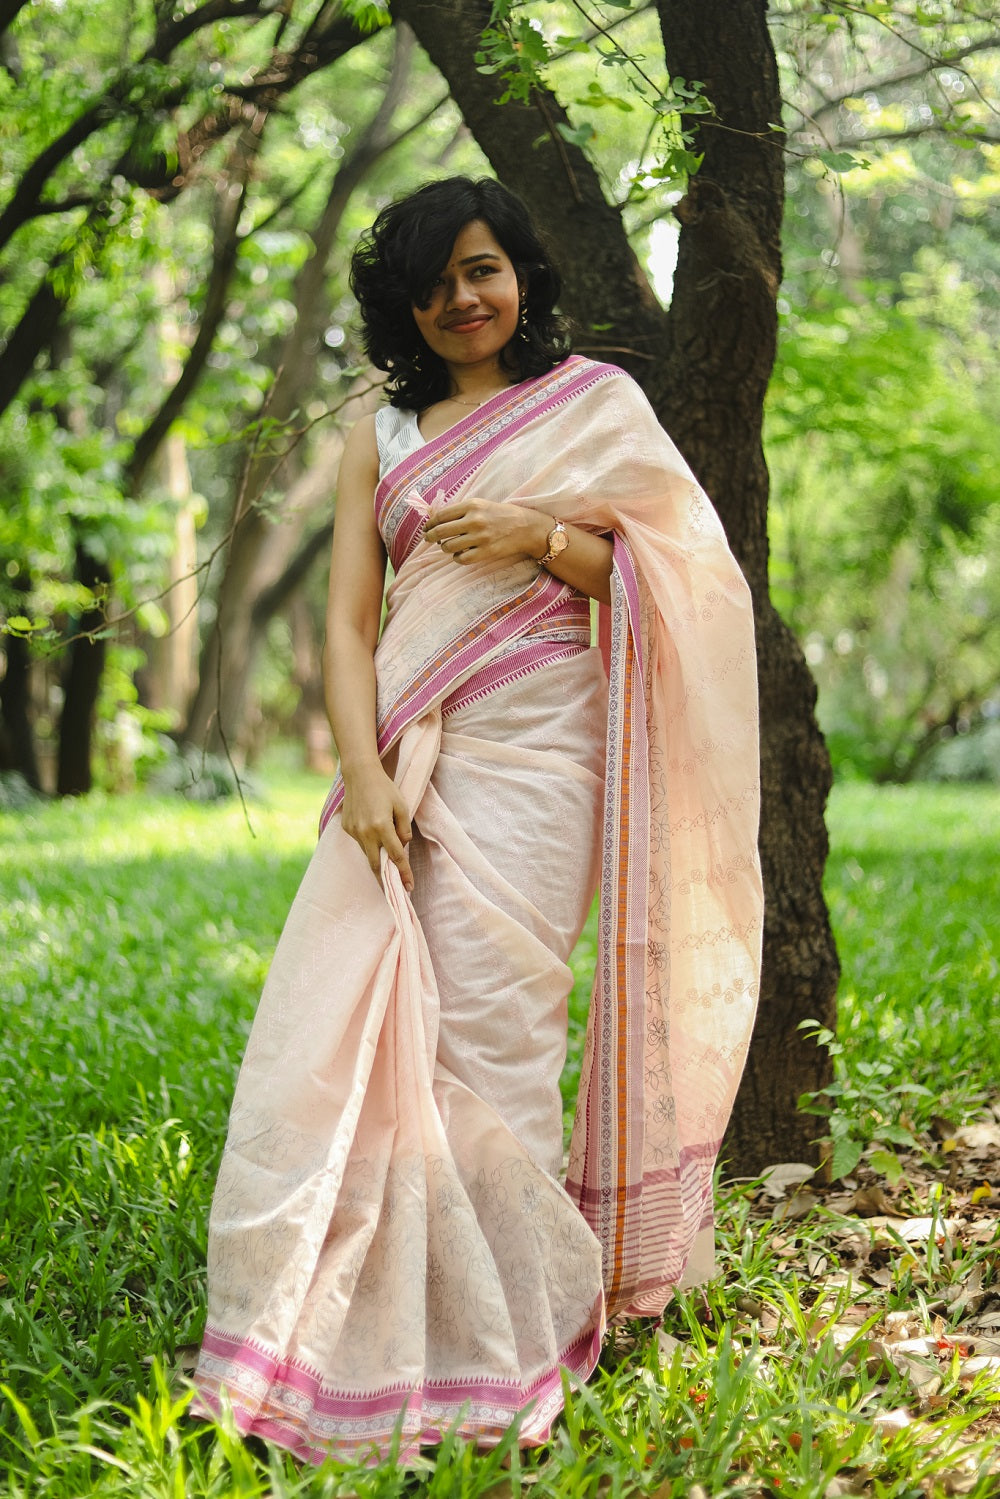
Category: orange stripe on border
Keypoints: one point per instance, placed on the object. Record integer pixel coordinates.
(621, 971)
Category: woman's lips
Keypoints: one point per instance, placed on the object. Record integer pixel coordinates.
(468, 325)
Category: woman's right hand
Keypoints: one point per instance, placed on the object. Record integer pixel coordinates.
(374, 814)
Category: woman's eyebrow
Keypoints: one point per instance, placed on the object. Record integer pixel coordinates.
(485, 255)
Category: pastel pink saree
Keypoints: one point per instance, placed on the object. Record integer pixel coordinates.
(391, 1253)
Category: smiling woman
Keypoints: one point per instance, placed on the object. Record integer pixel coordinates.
(394, 1249)
(472, 311)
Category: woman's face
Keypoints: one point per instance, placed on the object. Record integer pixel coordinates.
(474, 303)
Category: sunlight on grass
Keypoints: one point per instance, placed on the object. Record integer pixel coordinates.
(134, 938)
(913, 896)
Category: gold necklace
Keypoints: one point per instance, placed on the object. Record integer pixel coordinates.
(475, 405)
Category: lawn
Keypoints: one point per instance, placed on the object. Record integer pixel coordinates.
(134, 938)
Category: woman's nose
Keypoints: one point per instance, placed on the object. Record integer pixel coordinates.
(461, 293)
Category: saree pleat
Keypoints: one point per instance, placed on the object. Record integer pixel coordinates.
(391, 1253)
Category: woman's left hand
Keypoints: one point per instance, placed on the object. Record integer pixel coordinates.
(476, 530)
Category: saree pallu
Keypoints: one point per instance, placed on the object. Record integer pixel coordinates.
(390, 1251)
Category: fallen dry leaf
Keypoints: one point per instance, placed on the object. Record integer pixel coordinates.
(902, 1324)
(794, 1207)
(668, 1345)
(980, 1135)
(919, 1230)
(776, 1180)
(848, 1483)
(889, 1421)
(867, 1202)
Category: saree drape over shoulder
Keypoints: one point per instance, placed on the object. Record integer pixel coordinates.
(391, 1249)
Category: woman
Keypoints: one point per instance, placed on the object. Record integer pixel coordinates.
(390, 1247)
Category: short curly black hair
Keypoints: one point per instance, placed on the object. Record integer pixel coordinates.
(397, 261)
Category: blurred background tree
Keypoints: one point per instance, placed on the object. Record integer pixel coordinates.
(179, 194)
(882, 431)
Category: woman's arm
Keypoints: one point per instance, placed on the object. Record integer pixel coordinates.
(374, 813)
(476, 530)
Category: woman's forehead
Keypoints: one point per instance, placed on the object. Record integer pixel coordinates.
(475, 241)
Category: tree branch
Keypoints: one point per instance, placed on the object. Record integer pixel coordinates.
(8, 12)
(288, 69)
(227, 246)
(63, 205)
(46, 307)
(912, 132)
(928, 64)
(271, 599)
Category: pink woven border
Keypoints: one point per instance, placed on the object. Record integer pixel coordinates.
(420, 1414)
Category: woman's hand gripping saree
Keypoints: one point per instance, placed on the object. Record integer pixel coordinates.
(391, 1253)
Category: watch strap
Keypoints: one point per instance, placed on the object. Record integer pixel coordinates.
(557, 530)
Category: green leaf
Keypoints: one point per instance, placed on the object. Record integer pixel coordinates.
(598, 98)
(842, 161)
(896, 1133)
(887, 1164)
(368, 15)
(846, 1155)
(580, 136)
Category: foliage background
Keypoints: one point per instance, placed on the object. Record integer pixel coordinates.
(882, 437)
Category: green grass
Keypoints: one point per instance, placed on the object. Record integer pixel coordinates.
(913, 893)
(134, 938)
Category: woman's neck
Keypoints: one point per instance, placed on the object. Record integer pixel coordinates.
(474, 387)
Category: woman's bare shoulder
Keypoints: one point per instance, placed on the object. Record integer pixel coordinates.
(360, 458)
(361, 437)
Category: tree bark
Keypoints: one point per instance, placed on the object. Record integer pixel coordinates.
(171, 673)
(705, 365)
(310, 716)
(724, 319)
(17, 735)
(82, 683)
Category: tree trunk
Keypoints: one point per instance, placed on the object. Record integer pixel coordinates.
(724, 319)
(82, 683)
(171, 671)
(310, 716)
(231, 190)
(258, 552)
(17, 736)
(705, 365)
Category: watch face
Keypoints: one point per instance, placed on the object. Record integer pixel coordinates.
(558, 542)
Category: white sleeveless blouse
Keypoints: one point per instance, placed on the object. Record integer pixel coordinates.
(396, 435)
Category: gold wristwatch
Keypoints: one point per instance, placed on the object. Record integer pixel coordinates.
(557, 541)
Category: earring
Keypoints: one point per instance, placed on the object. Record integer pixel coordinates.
(415, 361)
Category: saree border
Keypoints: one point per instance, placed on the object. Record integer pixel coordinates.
(464, 447)
(459, 452)
(456, 662)
(609, 1188)
(288, 1401)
